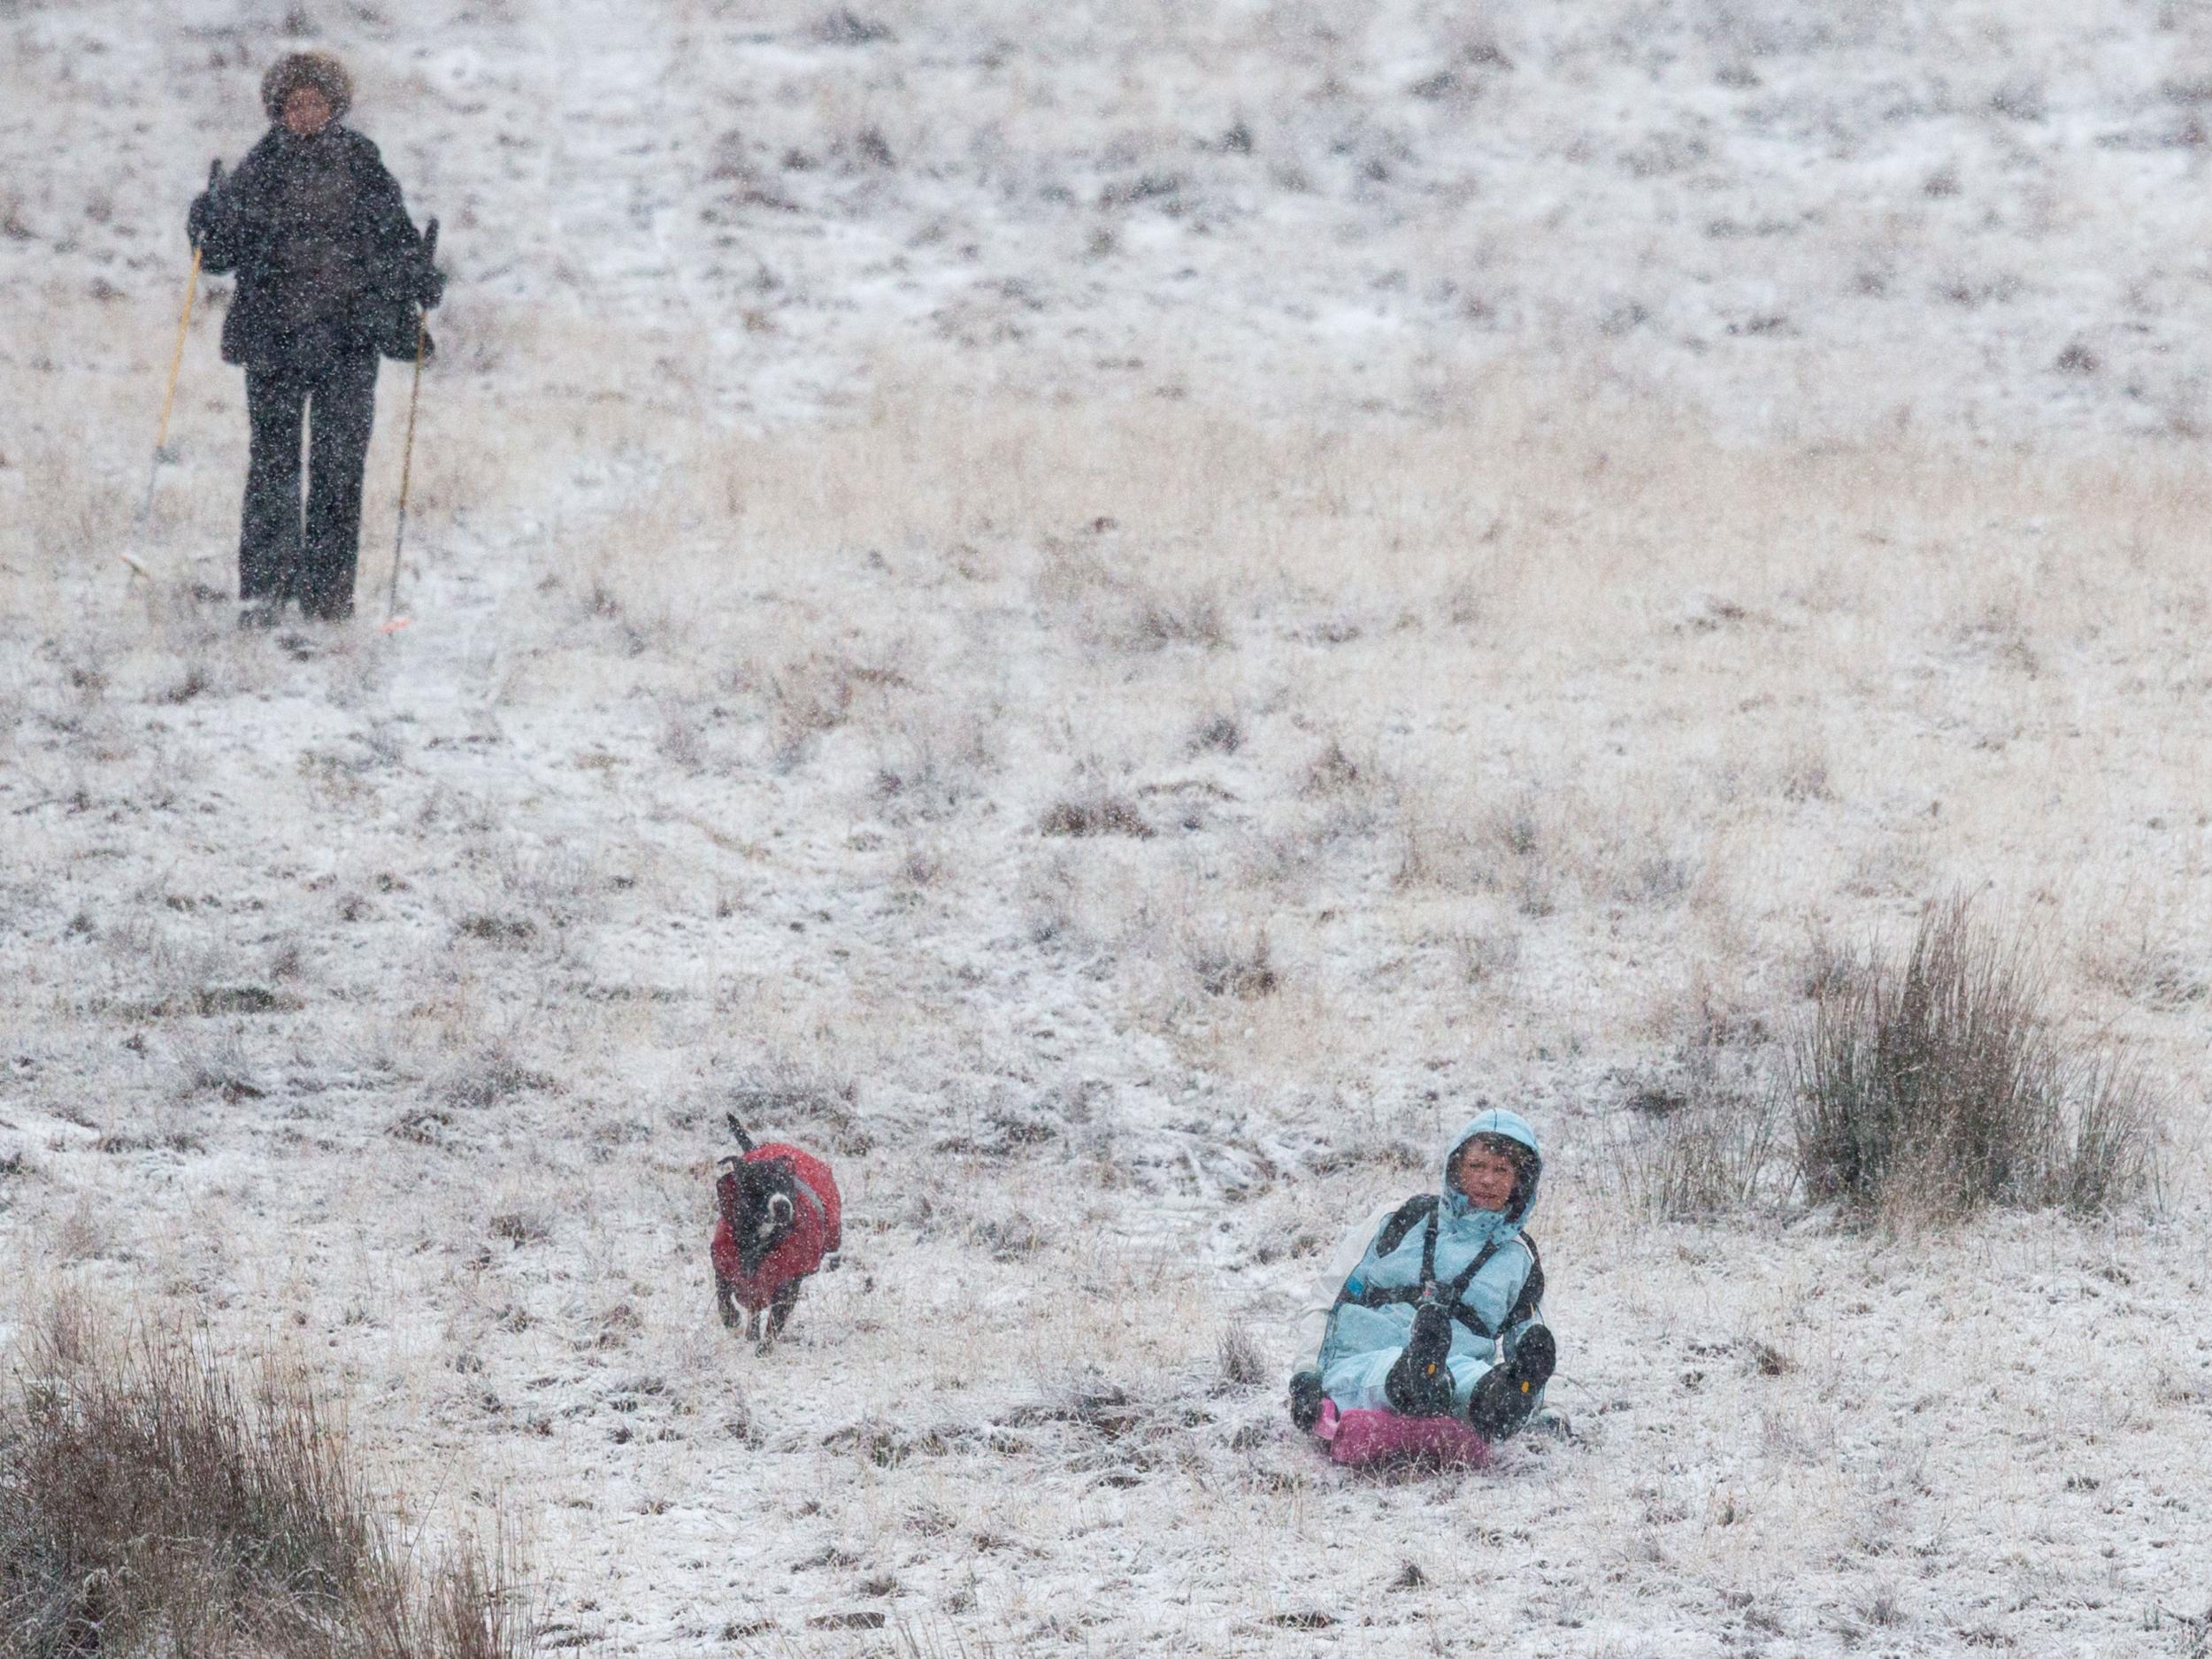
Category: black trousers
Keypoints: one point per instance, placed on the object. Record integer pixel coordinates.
(283, 553)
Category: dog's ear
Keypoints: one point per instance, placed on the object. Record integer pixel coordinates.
(737, 1129)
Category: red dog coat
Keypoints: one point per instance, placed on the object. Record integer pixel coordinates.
(817, 1227)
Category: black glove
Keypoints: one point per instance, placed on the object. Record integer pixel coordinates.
(429, 287)
(195, 222)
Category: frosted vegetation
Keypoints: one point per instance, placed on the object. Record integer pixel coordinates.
(1113, 618)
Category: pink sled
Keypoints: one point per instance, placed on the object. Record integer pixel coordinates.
(1359, 1438)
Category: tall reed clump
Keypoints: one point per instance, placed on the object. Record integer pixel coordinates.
(1943, 1086)
(153, 1500)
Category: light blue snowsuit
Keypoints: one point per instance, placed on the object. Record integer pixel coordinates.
(1360, 1344)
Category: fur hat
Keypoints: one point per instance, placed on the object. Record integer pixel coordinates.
(295, 70)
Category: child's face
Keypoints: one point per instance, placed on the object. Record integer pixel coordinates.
(307, 111)
(1486, 1178)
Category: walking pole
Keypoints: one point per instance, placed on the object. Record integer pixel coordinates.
(176, 363)
(407, 454)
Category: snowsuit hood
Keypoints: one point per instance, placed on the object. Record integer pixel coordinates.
(1513, 1128)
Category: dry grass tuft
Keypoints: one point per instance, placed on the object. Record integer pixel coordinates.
(784, 1099)
(1243, 1362)
(1704, 1139)
(1944, 1084)
(152, 1500)
(1229, 966)
(1104, 813)
(1331, 771)
(1221, 731)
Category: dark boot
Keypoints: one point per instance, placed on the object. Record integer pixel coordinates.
(1507, 1394)
(1420, 1384)
(1305, 1399)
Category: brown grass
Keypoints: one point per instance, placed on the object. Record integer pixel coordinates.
(155, 1499)
(1944, 1083)
(1100, 813)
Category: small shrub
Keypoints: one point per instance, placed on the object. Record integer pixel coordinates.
(222, 1068)
(1157, 620)
(923, 866)
(808, 701)
(844, 27)
(1146, 187)
(194, 680)
(1485, 953)
(1243, 1364)
(1101, 814)
(2078, 358)
(681, 744)
(154, 1500)
(1331, 771)
(493, 1073)
(1221, 731)
(1048, 903)
(1804, 775)
(1227, 967)
(867, 148)
(1517, 826)
(1944, 1083)
(522, 1227)
(935, 769)
(2160, 973)
(1016, 1236)
(2019, 100)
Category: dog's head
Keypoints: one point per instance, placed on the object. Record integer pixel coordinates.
(760, 1200)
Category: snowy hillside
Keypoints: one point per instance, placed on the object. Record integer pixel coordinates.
(1114, 616)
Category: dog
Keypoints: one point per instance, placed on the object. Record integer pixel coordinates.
(778, 1221)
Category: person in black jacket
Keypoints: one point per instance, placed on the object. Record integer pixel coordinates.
(330, 271)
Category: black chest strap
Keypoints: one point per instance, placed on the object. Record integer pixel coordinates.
(1452, 1296)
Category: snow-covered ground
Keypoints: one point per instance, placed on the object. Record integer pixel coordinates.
(1543, 515)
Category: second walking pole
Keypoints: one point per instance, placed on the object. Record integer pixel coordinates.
(407, 454)
(176, 363)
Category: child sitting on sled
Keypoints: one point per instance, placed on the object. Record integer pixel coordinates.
(1442, 1316)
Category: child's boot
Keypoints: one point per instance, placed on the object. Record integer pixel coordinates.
(1507, 1394)
(1420, 1384)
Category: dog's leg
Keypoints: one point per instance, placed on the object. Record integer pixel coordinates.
(779, 1310)
(725, 1302)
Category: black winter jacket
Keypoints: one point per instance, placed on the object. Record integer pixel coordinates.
(327, 259)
